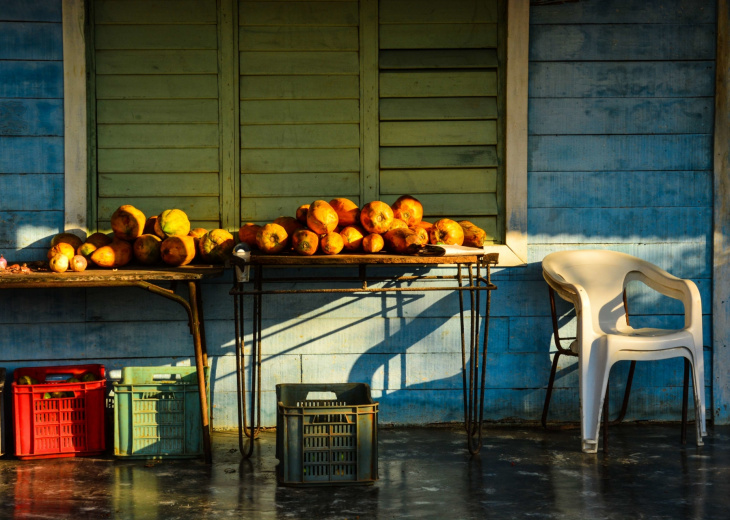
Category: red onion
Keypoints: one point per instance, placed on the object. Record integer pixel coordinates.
(3, 262)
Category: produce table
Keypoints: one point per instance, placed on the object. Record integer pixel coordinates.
(144, 278)
(324, 271)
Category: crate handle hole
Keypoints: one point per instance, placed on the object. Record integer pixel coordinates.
(321, 396)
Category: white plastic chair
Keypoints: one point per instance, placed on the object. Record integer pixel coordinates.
(594, 281)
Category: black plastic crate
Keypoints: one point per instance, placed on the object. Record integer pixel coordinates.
(326, 434)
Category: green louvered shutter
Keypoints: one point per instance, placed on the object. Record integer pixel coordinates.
(299, 108)
(156, 87)
(438, 107)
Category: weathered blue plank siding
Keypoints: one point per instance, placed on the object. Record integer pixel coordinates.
(31, 126)
(620, 157)
(620, 135)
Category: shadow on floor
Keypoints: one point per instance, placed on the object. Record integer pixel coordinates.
(424, 473)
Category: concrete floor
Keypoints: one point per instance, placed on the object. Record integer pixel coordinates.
(522, 472)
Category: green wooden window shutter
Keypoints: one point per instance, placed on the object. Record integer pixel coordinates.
(438, 107)
(157, 117)
(239, 111)
(300, 107)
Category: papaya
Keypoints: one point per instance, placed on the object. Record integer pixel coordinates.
(178, 250)
(117, 254)
(98, 239)
(347, 211)
(128, 222)
(290, 224)
(321, 217)
(474, 236)
(216, 246)
(147, 249)
(173, 223)
(402, 241)
(247, 234)
(197, 234)
(66, 238)
(62, 248)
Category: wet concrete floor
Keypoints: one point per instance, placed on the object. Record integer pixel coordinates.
(521, 472)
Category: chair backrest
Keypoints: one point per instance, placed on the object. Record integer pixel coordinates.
(601, 273)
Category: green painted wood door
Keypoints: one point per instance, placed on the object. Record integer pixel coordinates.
(240, 111)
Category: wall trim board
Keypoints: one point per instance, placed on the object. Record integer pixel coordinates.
(721, 226)
(514, 251)
(75, 117)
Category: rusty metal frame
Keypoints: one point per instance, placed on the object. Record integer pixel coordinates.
(473, 374)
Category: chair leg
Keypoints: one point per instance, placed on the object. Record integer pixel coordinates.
(549, 392)
(627, 394)
(605, 418)
(685, 392)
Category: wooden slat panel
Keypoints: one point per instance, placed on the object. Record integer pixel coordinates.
(622, 79)
(158, 160)
(624, 11)
(300, 87)
(264, 210)
(182, 37)
(312, 62)
(303, 160)
(298, 38)
(156, 62)
(616, 42)
(30, 41)
(620, 189)
(157, 111)
(197, 86)
(197, 208)
(155, 11)
(31, 117)
(620, 153)
(436, 11)
(438, 36)
(33, 11)
(438, 59)
(465, 180)
(438, 157)
(157, 136)
(622, 116)
(22, 229)
(438, 84)
(42, 192)
(300, 111)
(438, 133)
(158, 184)
(31, 155)
(300, 136)
(314, 185)
(459, 204)
(22, 79)
(298, 13)
(619, 225)
(409, 109)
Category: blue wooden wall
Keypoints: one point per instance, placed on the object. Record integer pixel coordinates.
(620, 124)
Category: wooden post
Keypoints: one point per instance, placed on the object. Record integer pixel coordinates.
(74, 106)
(721, 231)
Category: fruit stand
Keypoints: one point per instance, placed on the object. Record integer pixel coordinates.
(144, 278)
(269, 272)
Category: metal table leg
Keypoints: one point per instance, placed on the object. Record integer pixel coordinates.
(244, 430)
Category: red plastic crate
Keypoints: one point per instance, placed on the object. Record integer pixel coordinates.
(68, 426)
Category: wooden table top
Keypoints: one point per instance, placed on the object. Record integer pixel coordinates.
(100, 277)
(290, 259)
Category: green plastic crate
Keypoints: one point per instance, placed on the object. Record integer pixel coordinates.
(326, 434)
(157, 413)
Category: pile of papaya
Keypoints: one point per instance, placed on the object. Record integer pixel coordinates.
(340, 226)
(165, 239)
